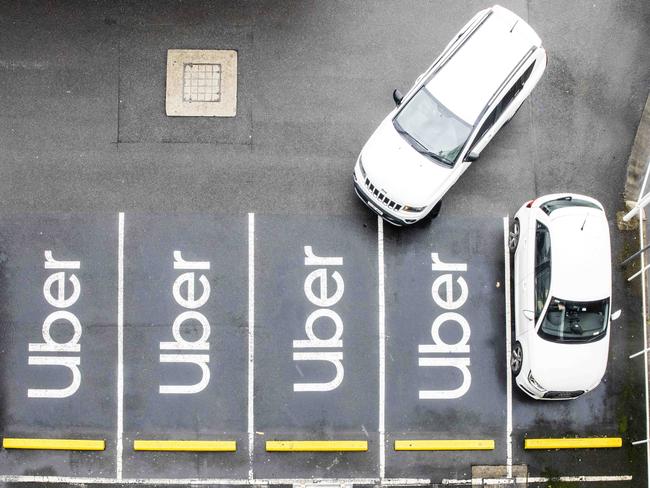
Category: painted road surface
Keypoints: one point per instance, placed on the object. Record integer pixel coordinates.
(185, 342)
(316, 353)
(445, 343)
(58, 296)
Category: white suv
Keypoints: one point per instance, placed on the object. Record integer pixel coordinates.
(449, 115)
(563, 289)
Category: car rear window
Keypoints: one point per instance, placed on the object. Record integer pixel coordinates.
(567, 201)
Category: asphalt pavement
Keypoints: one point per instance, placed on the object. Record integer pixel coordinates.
(84, 136)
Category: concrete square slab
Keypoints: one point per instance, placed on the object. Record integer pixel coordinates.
(201, 83)
(143, 115)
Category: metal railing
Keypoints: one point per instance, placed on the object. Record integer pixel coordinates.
(639, 210)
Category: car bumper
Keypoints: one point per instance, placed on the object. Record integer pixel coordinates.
(385, 213)
(537, 394)
(390, 218)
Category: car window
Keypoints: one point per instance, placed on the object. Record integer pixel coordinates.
(505, 101)
(514, 90)
(431, 128)
(568, 321)
(567, 201)
(542, 267)
(487, 124)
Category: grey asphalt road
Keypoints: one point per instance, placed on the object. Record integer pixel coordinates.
(83, 135)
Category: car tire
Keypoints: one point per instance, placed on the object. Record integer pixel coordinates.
(435, 211)
(516, 358)
(513, 235)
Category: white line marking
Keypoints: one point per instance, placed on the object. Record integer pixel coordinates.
(120, 344)
(644, 311)
(636, 443)
(382, 350)
(506, 258)
(641, 271)
(193, 481)
(251, 342)
(536, 479)
(637, 354)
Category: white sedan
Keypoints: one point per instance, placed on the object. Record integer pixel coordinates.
(563, 289)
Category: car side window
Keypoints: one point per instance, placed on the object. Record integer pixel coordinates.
(542, 267)
(514, 90)
(505, 101)
(489, 122)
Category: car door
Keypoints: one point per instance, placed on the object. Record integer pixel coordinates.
(501, 112)
(542, 271)
(535, 280)
(514, 97)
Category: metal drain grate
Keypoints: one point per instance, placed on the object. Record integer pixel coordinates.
(201, 82)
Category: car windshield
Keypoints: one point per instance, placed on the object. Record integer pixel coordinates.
(432, 129)
(567, 321)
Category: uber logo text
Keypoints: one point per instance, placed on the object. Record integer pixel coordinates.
(442, 292)
(190, 302)
(324, 300)
(56, 297)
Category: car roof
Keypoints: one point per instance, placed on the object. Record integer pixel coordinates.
(581, 267)
(467, 81)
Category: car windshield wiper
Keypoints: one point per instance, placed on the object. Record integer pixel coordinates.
(426, 152)
(417, 145)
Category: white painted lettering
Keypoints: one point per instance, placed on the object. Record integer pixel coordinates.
(438, 265)
(334, 358)
(313, 340)
(186, 297)
(180, 263)
(201, 360)
(190, 301)
(54, 292)
(72, 363)
(312, 260)
(50, 345)
(324, 316)
(448, 302)
(323, 300)
(51, 263)
(60, 301)
(462, 364)
(442, 292)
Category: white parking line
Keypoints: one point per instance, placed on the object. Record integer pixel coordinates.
(120, 345)
(644, 311)
(382, 349)
(215, 481)
(251, 342)
(506, 259)
(536, 479)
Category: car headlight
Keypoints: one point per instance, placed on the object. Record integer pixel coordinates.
(534, 382)
(363, 171)
(407, 208)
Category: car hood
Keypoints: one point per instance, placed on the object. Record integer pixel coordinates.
(405, 175)
(568, 367)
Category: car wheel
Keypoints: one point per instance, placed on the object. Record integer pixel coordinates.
(435, 211)
(513, 236)
(516, 358)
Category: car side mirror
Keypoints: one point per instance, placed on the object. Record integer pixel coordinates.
(397, 96)
(472, 156)
(616, 314)
(529, 314)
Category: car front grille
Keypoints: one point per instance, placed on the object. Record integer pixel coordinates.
(382, 197)
(563, 394)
